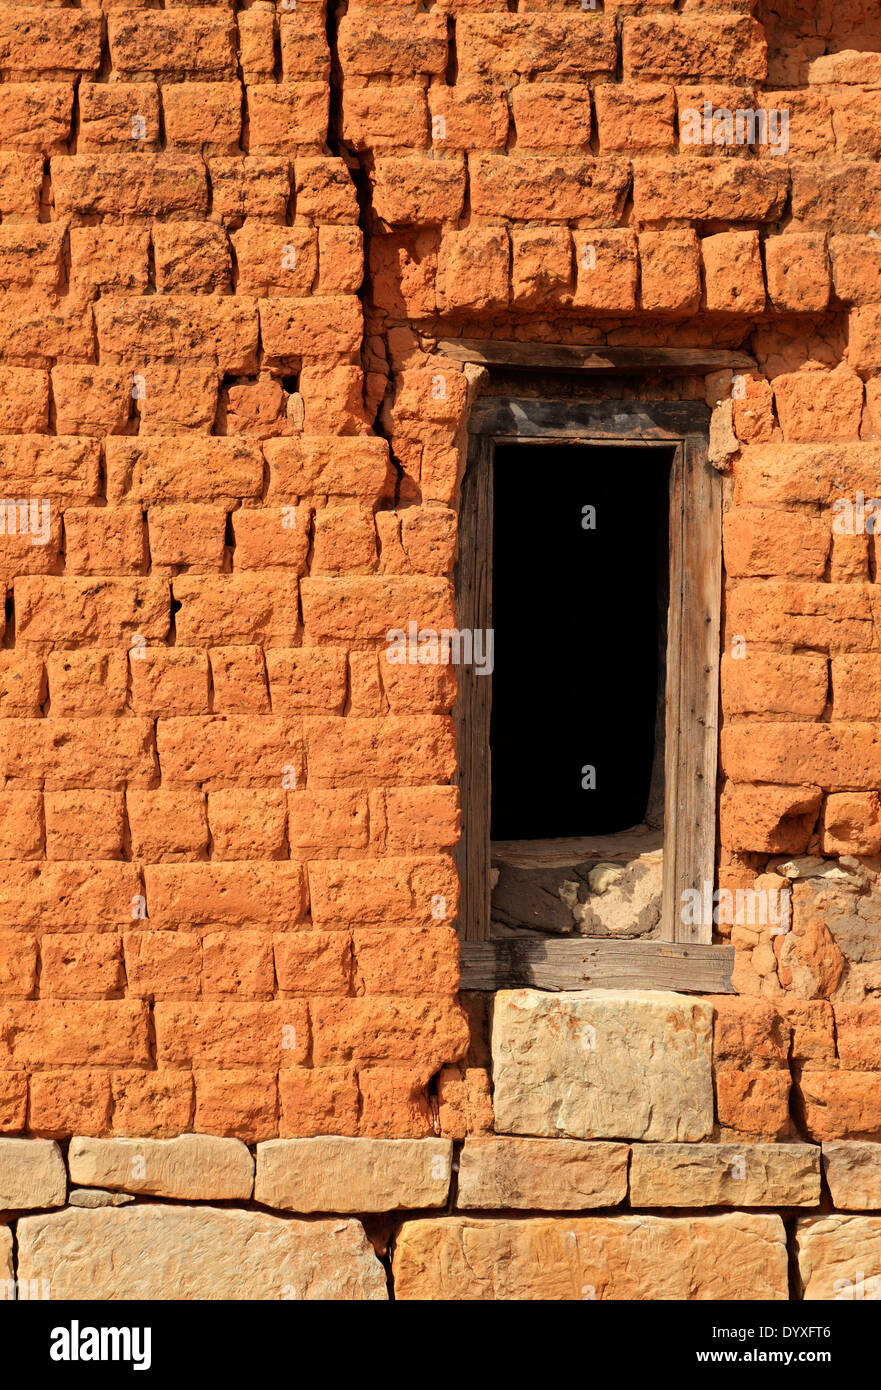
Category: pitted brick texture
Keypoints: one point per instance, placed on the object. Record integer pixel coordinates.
(230, 237)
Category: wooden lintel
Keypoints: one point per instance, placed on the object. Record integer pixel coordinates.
(594, 964)
(492, 352)
(515, 418)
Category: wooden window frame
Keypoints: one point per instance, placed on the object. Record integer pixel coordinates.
(684, 958)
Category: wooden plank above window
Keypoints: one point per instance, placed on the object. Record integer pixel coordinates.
(492, 352)
(515, 418)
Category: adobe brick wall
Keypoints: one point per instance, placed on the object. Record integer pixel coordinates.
(231, 237)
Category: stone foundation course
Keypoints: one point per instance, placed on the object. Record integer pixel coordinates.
(200, 1217)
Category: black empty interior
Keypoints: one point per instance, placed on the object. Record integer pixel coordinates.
(576, 617)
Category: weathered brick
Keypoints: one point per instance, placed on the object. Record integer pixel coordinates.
(71, 1101)
(557, 189)
(238, 675)
(383, 1029)
(14, 1101)
(670, 271)
(635, 117)
(247, 824)
(36, 116)
(167, 824)
(163, 964)
(57, 611)
(48, 43)
(394, 1102)
(83, 824)
(286, 117)
(851, 824)
(105, 540)
(708, 189)
(191, 258)
(296, 328)
(765, 541)
(82, 1032)
(251, 750)
(89, 681)
(844, 196)
(319, 1100)
(186, 535)
(152, 1103)
(21, 833)
(24, 401)
(819, 405)
(219, 330)
(64, 753)
(322, 823)
(307, 680)
(249, 187)
(22, 683)
(368, 607)
(236, 608)
(118, 115)
(190, 469)
(86, 965)
(31, 256)
(237, 963)
(383, 118)
(773, 683)
(256, 29)
(753, 1101)
(118, 186)
(18, 965)
(91, 400)
(190, 42)
(833, 616)
(797, 272)
(828, 755)
(373, 42)
(271, 537)
(837, 1104)
(473, 269)
(204, 116)
(303, 41)
(416, 189)
(387, 892)
(324, 190)
(173, 681)
(341, 260)
(62, 468)
(339, 467)
(380, 752)
(242, 1103)
(422, 961)
(239, 1033)
(560, 45)
(473, 116)
(733, 278)
(733, 47)
(275, 260)
(552, 116)
(225, 894)
(109, 260)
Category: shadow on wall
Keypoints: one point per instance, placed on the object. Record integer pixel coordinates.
(799, 31)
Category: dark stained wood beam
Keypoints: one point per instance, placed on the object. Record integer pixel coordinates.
(492, 352)
(593, 964)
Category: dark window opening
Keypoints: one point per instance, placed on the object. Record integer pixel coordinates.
(579, 621)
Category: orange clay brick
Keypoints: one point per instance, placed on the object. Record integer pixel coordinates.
(243, 254)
